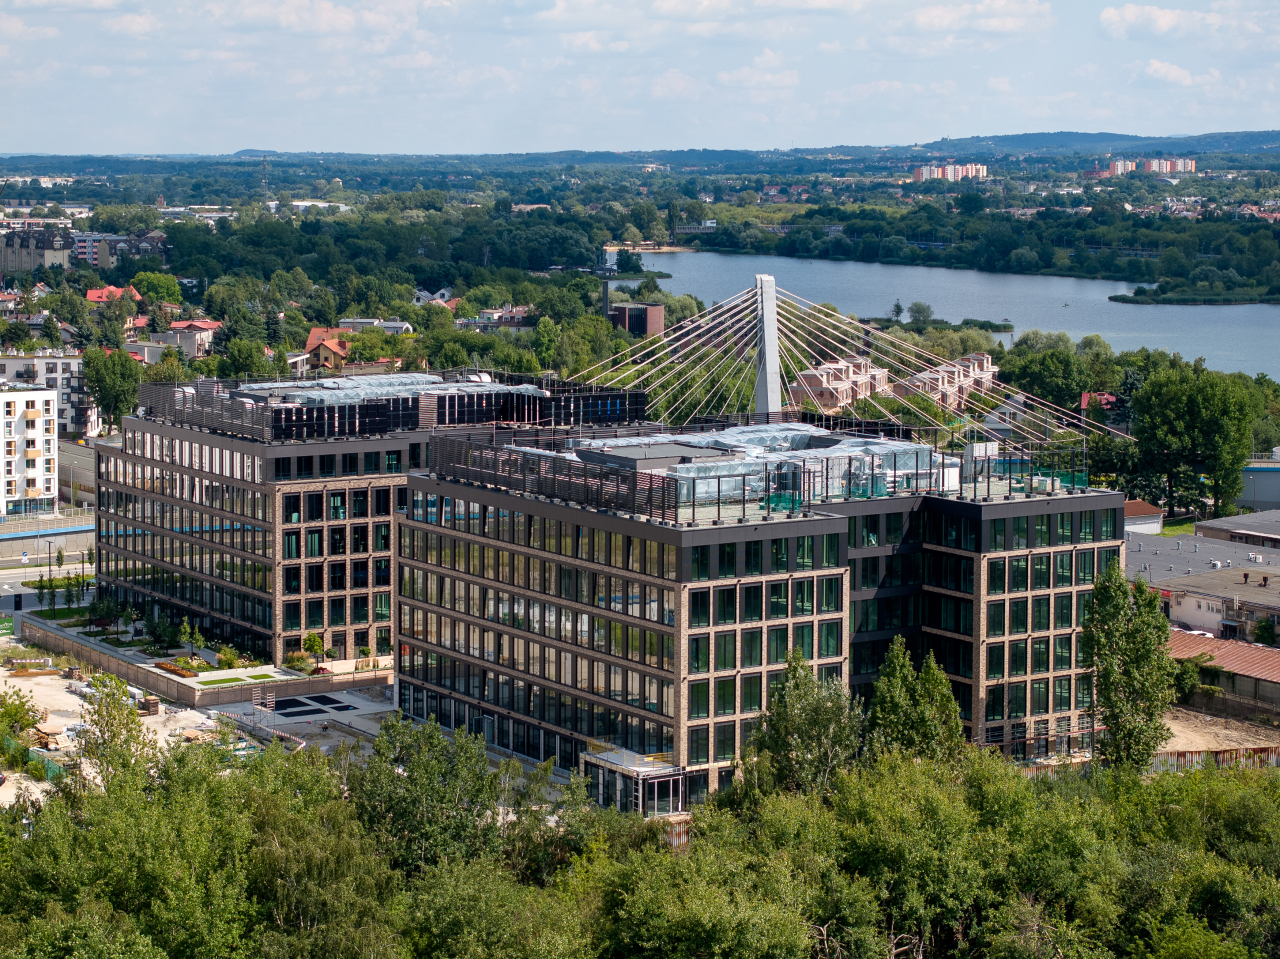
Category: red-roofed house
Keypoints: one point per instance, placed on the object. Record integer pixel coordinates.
(328, 354)
(108, 293)
(1142, 517)
(319, 334)
(195, 336)
(1106, 399)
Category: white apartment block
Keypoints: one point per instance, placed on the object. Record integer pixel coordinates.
(60, 370)
(30, 450)
(951, 171)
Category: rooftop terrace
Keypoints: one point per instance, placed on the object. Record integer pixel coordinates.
(747, 472)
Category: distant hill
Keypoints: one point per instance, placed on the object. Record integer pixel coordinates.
(1062, 142)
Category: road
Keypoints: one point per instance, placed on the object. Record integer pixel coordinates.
(12, 577)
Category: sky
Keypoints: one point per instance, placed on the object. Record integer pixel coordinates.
(475, 76)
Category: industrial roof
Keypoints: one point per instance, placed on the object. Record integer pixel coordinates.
(1158, 553)
(1228, 584)
(1266, 523)
(1229, 655)
(345, 390)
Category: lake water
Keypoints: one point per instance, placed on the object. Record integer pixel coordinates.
(1230, 338)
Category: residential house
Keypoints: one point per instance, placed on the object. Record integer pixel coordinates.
(329, 354)
(391, 327)
(108, 293)
(319, 334)
(59, 370)
(23, 251)
(949, 384)
(505, 316)
(1141, 517)
(838, 384)
(35, 323)
(195, 336)
(111, 249)
(422, 297)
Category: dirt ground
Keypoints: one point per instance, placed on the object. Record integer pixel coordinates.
(1193, 730)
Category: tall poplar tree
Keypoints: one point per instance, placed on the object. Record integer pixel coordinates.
(914, 713)
(1126, 640)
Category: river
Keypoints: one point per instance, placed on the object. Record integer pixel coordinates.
(1230, 338)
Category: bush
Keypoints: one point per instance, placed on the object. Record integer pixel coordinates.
(35, 769)
(364, 651)
(17, 756)
(299, 662)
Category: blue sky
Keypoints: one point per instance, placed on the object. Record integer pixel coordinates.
(471, 76)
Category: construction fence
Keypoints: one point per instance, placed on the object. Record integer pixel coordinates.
(52, 771)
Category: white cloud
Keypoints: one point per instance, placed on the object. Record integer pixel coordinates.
(134, 24)
(595, 41)
(1172, 73)
(865, 91)
(756, 78)
(842, 6)
(1118, 21)
(999, 84)
(67, 4)
(692, 8)
(767, 60)
(833, 47)
(675, 84)
(988, 16)
(16, 28)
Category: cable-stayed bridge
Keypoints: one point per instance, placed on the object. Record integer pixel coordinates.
(767, 355)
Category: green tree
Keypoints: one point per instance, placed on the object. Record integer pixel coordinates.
(920, 313)
(313, 644)
(118, 747)
(913, 713)
(1264, 631)
(1055, 375)
(809, 733)
(170, 369)
(18, 710)
(1164, 429)
(112, 380)
(94, 931)
(157, 288)
(50, 332)
(424, 798)
(1223, 415)
(1126, 641)
(546, 339)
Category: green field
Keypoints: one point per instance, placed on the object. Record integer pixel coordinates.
(220, 682)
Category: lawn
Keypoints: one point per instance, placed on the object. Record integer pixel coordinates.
(1182, 526)
(262, 676)
(220, 682)
(62, 612)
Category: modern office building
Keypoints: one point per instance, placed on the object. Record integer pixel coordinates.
(30, 450)
(264, 511)
(623, 604)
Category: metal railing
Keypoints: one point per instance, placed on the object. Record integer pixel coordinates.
(39, 522)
